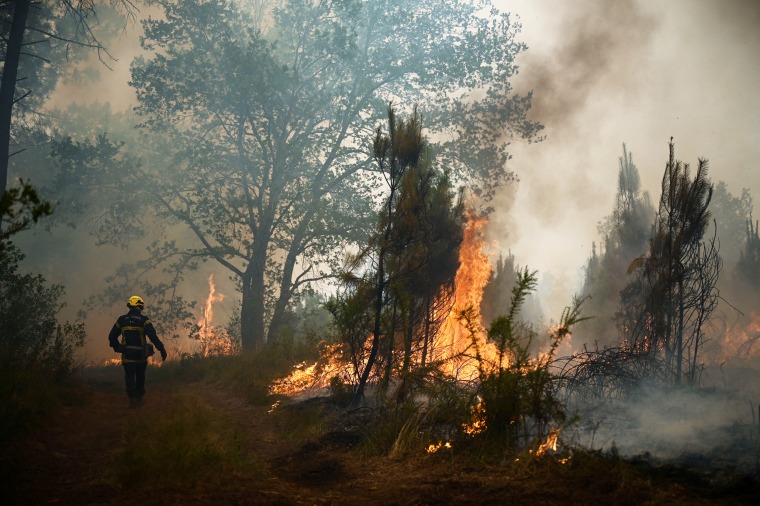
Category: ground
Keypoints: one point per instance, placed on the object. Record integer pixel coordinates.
(70, 460)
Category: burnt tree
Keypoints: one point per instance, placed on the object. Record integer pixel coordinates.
(676, 284)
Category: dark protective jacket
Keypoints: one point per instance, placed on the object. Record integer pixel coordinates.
(133, 328)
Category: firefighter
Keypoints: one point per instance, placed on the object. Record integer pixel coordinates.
(133, 328)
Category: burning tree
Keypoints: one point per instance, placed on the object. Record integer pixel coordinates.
(413, 257)
(675, 292)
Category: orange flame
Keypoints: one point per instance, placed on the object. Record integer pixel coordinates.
(472, 277)
(214, 341)
(314, 376)
(208, 309)
(436, 447)
(478, 423)
(550, 444)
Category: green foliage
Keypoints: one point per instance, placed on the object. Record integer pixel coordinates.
(20, 207)
(498, 292)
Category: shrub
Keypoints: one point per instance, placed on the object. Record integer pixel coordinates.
(37, 353)
(518, 399)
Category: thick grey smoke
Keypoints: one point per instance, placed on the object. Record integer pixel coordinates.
(598, 45)
(605, 73)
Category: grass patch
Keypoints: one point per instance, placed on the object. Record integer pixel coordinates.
(186, 441)
(302, 422)
(250, 373)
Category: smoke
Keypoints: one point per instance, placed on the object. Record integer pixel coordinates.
(705, 429)
(608, 73)
(598, 44)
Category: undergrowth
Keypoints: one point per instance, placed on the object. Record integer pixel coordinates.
(249, 373)
(181, 444)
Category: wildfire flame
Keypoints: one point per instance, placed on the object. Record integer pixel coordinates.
(318, 375)
(471, 278)
(434, 448)
(450, 346)
(549, 444)
(213, 340)
(208, 309)
(478, 423)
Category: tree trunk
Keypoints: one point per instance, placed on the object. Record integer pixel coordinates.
(359, 394)
(252, 313)
(8, 85)
(286, 282)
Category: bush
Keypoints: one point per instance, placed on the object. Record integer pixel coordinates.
(518, 399)
(37, 353)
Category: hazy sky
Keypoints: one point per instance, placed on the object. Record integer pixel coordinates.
(608, 72)
(603, 73)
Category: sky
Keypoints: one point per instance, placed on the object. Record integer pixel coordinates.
(636, 72)
(603, 73)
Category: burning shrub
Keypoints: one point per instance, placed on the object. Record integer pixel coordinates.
(517, 394)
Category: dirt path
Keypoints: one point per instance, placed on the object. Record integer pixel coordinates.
(71, 461)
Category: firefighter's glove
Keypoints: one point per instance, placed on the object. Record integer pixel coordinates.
(118, 348)
(163, 355)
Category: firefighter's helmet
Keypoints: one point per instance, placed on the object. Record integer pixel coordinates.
(135, 301)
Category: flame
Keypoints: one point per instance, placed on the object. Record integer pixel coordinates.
(744, 341)
(318, 375)
(550, 444)
(478, 423)
(208, 309)
(471, 278)
(436, 447)
(453, 343)
(214, 341)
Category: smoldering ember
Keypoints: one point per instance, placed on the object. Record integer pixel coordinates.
(379, 252)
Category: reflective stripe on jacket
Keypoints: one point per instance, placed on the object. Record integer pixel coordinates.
(133, 328)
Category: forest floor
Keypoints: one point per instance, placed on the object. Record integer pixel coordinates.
(73, 459)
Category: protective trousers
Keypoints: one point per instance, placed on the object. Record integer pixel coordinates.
(134, 376)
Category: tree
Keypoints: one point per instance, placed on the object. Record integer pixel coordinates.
(19, 208)
(746, 275)
(677, 286)
(497, 294)
(410, 262)
(270, 121)
(625, 233)
(730, 214)
(33, 36)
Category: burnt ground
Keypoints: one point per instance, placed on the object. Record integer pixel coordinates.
(70, 460)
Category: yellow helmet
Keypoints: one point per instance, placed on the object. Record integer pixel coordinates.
(135, 301)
